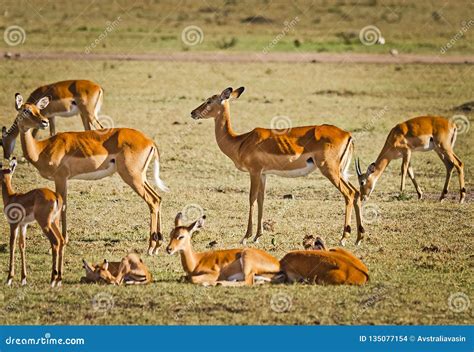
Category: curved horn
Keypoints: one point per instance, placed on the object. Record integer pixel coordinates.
(357, 166)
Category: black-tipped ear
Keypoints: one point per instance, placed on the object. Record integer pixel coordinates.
(237, 93)
(197, 224)
(13, 164)
(18, 101)
(226, 93)
(371, 168)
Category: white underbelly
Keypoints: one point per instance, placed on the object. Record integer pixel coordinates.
(98, 174)
(310, 167)
(74, 111)
(426, 146)
(236, 277)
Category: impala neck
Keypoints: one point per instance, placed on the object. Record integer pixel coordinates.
(7, 189)
(381, 163)
(189, 259)
(31, 147)
(227, 139)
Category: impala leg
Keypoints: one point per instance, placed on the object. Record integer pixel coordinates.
(52, 125)
(22, 245)
(254, 186)
(260, 199)
(55, 246)
(88, 117)
(156, 216)
(62, 244)
(411, 174)
(459, 165)
(405, 163)
(349, 197)
(61, 188)
(206, 279)
(357, 208)
(451, 161)
(11, 269)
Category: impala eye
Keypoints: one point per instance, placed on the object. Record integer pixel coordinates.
(180, 237)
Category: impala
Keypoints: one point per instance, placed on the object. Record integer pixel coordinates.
(335, 266)
(41, 205)
(91, 155)
(292, 153)
(130, 270)
(228, 267)
(422, 134)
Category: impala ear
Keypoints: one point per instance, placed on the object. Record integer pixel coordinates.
(237, 93)
(178, 220)
(86, 266)
(42, 103)
(226, 93)
(371, 168)
(105, 266)
(197, 224)
(18, 101)
(13, 165)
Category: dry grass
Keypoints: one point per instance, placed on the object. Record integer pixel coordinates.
(411, 280)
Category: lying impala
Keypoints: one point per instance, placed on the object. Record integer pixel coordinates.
(91, 155)
(130, 270)
(41, 205)
(335, 266)
(228, 267)
(67, 98)
(292, 153)
(423, 134)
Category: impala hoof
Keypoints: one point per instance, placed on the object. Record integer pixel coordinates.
(357, 243)
(342, 242)
(243, 242)
(150, 251)
(59, 283)
(23, 282)
(9, 281)
(255, 240)
(53, 284)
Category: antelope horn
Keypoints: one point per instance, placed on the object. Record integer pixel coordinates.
(357, 166)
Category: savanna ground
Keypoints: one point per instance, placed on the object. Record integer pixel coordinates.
(419, 253)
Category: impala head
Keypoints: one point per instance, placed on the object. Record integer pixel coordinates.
(309, 242)
(7, 173)
(29, 116)
(214, 106)
(180, 237)
(367, 180)
(98, 273)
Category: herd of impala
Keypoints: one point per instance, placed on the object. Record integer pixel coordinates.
(95, 154)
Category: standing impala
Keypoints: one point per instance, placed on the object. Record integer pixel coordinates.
(41, 205)
(91, 155)
(227, 267)
(292, 153)
(422, 134)
(67, 98)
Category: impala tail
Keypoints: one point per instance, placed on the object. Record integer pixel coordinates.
(346, 158)
(156, 173)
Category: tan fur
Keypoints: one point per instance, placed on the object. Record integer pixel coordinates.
(41, 205)
(293, 152)
(419, 133)
(219, 266)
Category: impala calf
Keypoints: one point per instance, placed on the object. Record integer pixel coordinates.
(229, 267)
(91, 155)
(335, 266)
(420, 134)
(291, 153)
(130, 270)
(67, 98)
(41, 205)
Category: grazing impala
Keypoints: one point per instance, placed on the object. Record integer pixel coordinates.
(67, 98)
(423, 134)
(130, 270)
(41, 205)
(228, 267)
(91, 155)
(335, 266)
(292, 153)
